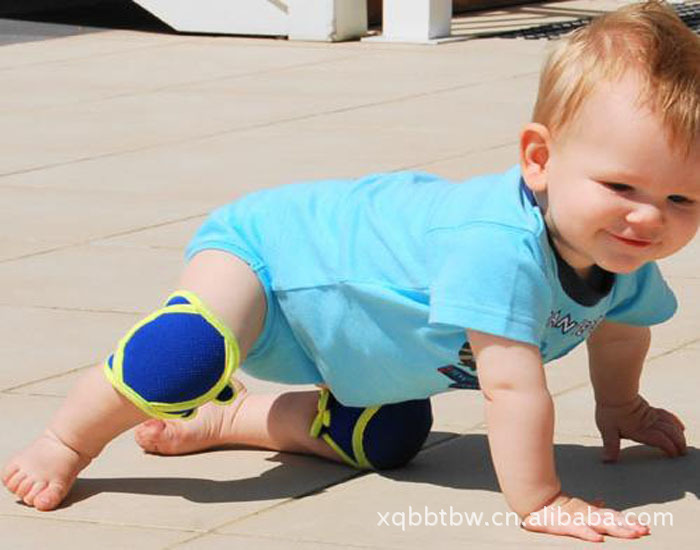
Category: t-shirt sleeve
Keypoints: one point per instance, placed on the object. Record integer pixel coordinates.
(489, 278)
(642, 298)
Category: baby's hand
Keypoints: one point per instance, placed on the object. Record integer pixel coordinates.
(639, 421)
(574, 517)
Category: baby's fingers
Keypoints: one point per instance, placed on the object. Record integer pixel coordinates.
(657, 436)
(538, 523)
(674, 428)
(670, 417)
(613, 523)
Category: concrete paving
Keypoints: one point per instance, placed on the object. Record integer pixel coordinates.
(115, 145)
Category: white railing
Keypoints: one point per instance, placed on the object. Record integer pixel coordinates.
(326, 20)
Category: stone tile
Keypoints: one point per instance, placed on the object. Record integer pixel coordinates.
(457, 412)
(17, 246)
(334, 85)
(59, 385)
(464, 166)
(684, 327)
(210, 172)
(39, 342)
(194, 492)
(80, 47)
(404, 134)
(269, 542)
(172, 115)
(174, 236)
(570, 371)
(33, 532)
(53, 216)
(22, 419)
(480, 116)
(456, 476)
(165, 64)
(684, 264)
(116, 279)
(666, 383)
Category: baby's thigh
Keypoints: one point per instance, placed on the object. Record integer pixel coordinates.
(231, 289)
(276, 355)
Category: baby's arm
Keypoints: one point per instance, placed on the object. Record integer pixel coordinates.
(520, 418)
(616, 357)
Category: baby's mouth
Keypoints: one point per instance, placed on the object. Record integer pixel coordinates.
(638, 243)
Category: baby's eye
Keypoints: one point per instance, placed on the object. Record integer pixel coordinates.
(680, 199)
(620, 187)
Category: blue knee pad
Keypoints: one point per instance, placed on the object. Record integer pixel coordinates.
(381, 437)
(175, 360)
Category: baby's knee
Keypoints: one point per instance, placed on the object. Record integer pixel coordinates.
(175, 360)
(382, 437)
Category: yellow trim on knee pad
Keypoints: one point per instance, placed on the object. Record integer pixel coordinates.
(358, 434)
(174, 410)
(323, 419)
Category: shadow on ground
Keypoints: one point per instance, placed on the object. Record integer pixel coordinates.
(69, 20)
(108, 14)
(643, 476)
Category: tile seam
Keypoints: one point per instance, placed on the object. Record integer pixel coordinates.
(282, 539)
(213, 530)
(12, 389)
(100, 238)
(258, 126)
(98, 522)
(183, 85)
(80, 58)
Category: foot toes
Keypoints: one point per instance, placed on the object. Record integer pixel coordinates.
(148, 433)
(9, 470)
(150, 429)
(24, 487)
(14, 481)
(36, 488)
(49, 498)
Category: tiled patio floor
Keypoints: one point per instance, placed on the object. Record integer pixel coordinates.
(114, 147)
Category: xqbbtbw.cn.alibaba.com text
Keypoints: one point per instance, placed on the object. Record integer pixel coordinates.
(452, 517)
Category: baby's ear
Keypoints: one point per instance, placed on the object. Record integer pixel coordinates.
(534, 154)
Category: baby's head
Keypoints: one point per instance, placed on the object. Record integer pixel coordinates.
(613, 150)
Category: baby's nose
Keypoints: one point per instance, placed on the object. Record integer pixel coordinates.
(648, 215)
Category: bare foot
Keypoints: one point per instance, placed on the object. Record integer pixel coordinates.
(212, 427)
(43, 473)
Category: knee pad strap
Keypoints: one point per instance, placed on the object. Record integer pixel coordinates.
(175, 360)
(384, 436)
(321, 425)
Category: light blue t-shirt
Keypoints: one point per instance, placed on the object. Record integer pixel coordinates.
(380, 277)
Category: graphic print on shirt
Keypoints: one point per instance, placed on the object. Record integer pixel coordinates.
(464, 376)
(581, 328)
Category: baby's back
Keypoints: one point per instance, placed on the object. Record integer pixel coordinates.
(370, 230)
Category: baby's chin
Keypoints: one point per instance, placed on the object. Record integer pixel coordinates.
(622, 268)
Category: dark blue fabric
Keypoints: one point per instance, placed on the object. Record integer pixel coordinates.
(174, 358)
(397, 432)
(177, 300)
(226, 394)
(393, 436)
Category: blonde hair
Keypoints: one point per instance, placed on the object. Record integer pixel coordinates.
(648, 39)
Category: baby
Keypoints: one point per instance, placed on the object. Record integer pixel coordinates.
(389, 289)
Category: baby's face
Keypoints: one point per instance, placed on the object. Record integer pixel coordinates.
(618, 193)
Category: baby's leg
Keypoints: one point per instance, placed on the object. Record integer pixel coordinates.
(94, 412)
(375, 437)
(277, 422)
